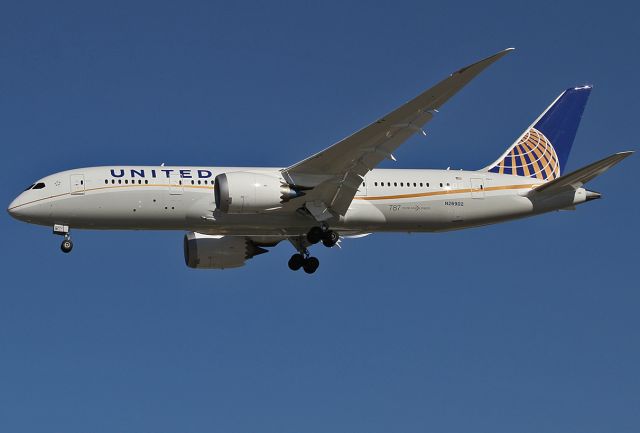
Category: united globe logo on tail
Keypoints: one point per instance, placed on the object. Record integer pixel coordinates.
(543, 150)
(532, 156)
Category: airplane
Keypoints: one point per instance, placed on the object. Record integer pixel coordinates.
(232, 214)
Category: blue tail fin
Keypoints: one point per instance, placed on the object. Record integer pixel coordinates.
(542, 151)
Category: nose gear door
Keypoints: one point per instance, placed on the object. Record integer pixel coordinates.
(77, 184)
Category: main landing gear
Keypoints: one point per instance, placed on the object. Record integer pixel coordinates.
(303, 259)
(67, 245)
(328, 237)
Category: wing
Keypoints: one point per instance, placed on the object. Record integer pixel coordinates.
(331, 177)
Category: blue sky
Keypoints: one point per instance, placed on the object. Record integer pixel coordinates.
(529, 326)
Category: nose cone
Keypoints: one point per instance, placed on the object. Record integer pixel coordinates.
(14, 208)
(17, 209)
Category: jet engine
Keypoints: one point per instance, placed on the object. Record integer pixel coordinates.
(242, 192)
(218, 252)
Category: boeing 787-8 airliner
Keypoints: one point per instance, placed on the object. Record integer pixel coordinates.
(232, 214)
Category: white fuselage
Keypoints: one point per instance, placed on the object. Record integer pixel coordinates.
(182, 198)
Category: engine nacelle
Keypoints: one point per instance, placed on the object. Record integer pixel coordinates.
(218, 252)
(244, 192)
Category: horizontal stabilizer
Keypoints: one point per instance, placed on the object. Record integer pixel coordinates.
(583, 175)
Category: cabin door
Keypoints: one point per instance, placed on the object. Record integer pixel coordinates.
(477, 187)
(175, 184)
(77, 184)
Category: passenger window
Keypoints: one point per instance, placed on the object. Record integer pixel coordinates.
(420, 184)
(395, 183)
(440, 184)
(38, 185)
(146, 182)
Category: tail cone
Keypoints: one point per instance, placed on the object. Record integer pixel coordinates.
(592, 195)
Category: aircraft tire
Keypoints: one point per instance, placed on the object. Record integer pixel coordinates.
(66, 246)
(311, 265)
(296, 262)
(315, 235)
(330, 239)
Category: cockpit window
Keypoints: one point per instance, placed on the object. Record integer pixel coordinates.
(29, 187)
(38, 185)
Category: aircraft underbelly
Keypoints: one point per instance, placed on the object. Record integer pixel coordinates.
(435, 214)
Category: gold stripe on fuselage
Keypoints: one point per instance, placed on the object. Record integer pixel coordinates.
(452, 191)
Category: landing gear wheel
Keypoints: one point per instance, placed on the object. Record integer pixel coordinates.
(311, 265)
(330, 238)
(66, 246)
(296, 262)
(315, 235)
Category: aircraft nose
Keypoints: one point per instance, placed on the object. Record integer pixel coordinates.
(14, 208)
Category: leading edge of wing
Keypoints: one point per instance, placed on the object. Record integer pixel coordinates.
(431, 99)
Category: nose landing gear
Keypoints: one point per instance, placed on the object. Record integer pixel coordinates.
(67, 245)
